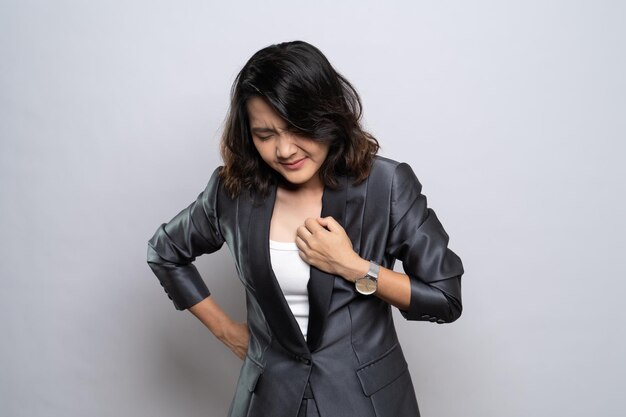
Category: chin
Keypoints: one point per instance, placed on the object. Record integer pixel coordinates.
(296, 179)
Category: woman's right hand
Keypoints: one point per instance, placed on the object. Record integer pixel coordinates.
(233, 334)
(236, 337)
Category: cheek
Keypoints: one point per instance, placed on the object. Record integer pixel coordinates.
(263, 150)
(323, 153)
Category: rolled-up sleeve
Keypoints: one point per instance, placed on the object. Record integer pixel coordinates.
(176, 244)
(420, 242)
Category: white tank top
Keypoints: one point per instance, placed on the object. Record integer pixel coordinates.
(293, 275)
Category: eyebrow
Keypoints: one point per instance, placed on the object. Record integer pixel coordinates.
(263, 130)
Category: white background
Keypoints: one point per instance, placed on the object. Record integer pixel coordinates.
(512, 114)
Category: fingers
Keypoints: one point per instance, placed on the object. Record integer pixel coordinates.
(313, 225)
(313, 233)
(329, 222)
(306, 231)
(301, 244)
(237, 340)
(321, 223)
(306, 241)
(303, 234)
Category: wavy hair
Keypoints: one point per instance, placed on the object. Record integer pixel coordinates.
(317, 102)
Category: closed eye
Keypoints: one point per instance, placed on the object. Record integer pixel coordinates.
(267, 131)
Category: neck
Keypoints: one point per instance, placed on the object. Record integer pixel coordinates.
(313, 187)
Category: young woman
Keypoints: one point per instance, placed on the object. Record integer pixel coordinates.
(315, 220)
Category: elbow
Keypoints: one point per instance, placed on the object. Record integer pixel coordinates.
(181, 282)
(454, 312)
(152, 257)
(438, 302)
(450, 305)
(449, 299)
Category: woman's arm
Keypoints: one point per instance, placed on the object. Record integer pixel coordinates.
(173, 248)
(233, 334)
(393, 287)
(171, 251)
(418, 239)
(438, 301)
(430, 288)
(324, 244)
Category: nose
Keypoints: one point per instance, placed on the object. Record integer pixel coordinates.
(285, 146)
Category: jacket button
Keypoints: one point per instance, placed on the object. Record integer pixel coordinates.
(425, 316)
(441, 321)
(304, 360)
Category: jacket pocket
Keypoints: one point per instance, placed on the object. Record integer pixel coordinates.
(251, 371)
(249, 375)
(382, 371)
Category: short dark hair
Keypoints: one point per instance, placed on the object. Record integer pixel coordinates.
(317, 102)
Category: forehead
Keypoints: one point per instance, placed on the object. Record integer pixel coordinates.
(261, 112)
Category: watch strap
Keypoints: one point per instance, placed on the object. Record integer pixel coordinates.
(374, 269)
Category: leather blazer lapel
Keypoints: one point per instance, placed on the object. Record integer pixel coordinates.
(321, 284)
(269, 294)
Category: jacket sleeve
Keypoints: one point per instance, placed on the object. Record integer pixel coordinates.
(176, 244)
(418, 239)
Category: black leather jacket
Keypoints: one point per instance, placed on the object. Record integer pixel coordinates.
(352, 359)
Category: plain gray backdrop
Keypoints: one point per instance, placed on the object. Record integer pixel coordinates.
(512, 114)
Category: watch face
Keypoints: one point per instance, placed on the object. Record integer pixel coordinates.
(366, 286)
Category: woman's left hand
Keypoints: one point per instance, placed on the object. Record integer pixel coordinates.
(324, 244)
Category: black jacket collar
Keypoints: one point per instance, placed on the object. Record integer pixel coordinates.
(269, 295)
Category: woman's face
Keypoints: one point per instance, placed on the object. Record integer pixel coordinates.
(297, 158)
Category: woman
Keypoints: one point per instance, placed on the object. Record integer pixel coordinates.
(315, 221)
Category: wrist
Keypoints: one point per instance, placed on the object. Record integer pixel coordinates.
(223, 329)
(356, 269)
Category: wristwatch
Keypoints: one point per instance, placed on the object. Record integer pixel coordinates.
(368, 283)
